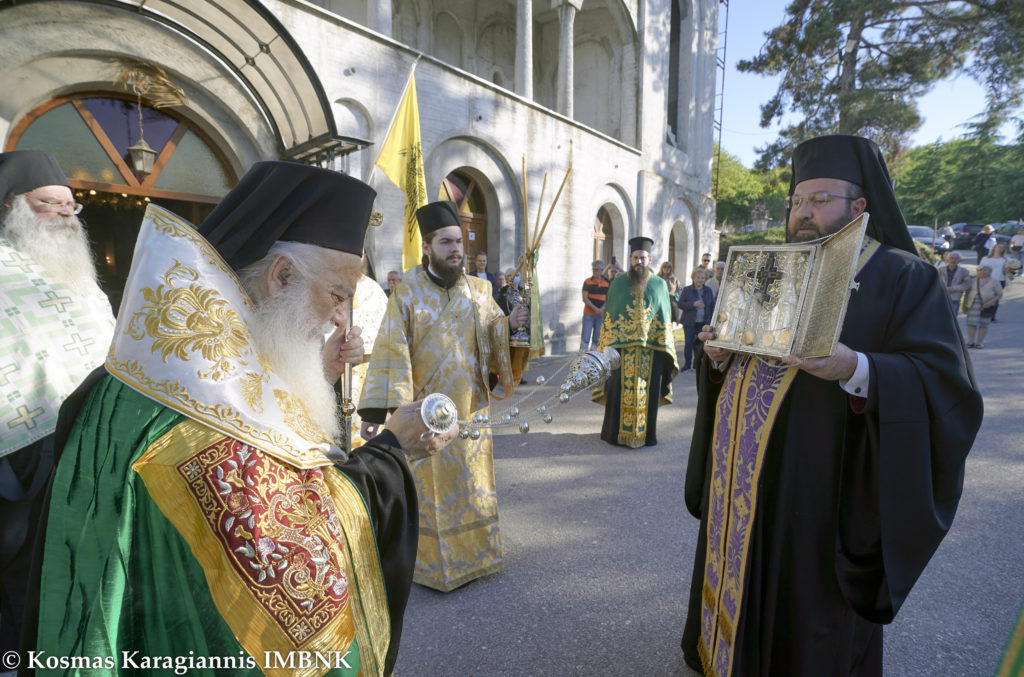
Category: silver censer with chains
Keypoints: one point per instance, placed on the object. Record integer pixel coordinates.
(586, 370)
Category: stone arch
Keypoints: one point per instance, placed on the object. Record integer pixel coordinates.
(495, 50)
(253, 99)
(605, 75)
(405, 22)
(353, 119)
(681, 231)
(617, 204)
(595, 100)
(495, 178)
(449, 39)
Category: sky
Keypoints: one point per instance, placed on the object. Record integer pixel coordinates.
(951, 103)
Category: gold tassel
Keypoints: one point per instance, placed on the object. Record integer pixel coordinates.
(724, 627)
(709, 596)
(705, 659)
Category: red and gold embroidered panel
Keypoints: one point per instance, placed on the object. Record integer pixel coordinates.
(279, 530)
(288, 554)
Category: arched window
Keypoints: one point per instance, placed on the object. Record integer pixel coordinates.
(90, 136)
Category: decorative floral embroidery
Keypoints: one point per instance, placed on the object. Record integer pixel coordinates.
(748, 404)
(225, 418)
(279, 529)
(190, 319)
(640, 326)
(296, 418)
(252, 389)
(167, 223)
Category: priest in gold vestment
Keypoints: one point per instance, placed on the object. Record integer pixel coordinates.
(368, 306)
(444, 333)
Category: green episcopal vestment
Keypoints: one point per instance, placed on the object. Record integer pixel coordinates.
(639, 326)
(195, 517)
(117, 575)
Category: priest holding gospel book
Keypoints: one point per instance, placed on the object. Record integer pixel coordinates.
(843, 472)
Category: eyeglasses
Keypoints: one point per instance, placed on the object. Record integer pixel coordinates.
(56, 205)
(818, 200)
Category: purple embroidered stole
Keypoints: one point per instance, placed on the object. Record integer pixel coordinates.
(747, 407)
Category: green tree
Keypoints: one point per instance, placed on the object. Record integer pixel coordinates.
(971, 179)
(738, 189)
(775, 190)
(741, 189)
(859, 66)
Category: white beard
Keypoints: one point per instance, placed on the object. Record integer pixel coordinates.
(291, 339)
(59, 245)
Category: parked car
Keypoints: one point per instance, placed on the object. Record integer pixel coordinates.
(1007, 230)
(930, 238)
(965, 233)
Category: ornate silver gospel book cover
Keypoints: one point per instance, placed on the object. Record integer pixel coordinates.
(777, 300)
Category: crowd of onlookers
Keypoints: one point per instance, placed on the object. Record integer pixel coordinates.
(692, 304)
(978, 296)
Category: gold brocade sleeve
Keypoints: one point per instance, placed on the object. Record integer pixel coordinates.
(501, 363)
(389, 380)
(493, 336)
(289, 555)
(498, 334)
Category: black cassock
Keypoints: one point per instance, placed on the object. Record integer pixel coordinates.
(851, 505)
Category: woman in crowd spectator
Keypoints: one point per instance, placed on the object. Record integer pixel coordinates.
(508, 290)
(1017, 246)
(674, 287)
(979, 300)
(665, 273)
(983, 241)
(996, 262)
(499, 284)
(697, 303)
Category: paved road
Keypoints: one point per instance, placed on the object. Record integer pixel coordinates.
(598, 548)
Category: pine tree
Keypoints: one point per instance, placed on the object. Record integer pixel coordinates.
(859, 66)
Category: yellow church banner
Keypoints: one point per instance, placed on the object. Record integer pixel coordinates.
(401, 160)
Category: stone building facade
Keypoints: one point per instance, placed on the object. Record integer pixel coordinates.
(620, 90)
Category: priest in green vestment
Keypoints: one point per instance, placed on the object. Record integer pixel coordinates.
(443, 332)
(637, 323)
(201, 516)
(55, 327)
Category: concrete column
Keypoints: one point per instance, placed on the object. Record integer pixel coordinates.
(564, 92)
(630, 88)
(379, 17)
(524, 48)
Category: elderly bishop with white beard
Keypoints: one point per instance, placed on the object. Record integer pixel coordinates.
(201, 504)
(56, 328)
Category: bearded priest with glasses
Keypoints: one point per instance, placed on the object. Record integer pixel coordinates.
(823, 486)
(55, 329)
